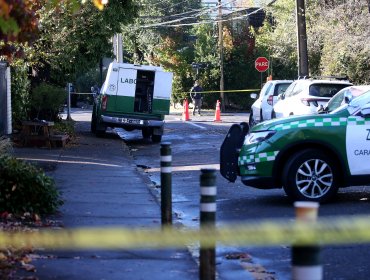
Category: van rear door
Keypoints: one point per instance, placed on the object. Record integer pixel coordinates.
(162, 92)
(125, 97)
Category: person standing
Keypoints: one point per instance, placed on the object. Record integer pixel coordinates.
(196, 96)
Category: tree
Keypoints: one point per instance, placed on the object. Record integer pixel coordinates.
(338, 38)
(147, 41)
(278, 40)
(344, 46)
(71, 42)
(19, 22)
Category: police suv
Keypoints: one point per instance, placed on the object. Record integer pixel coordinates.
(310, 156)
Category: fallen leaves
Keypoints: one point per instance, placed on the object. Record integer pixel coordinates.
(12, 259)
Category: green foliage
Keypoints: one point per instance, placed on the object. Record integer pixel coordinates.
(46, 101)
(89, 79)
(279, 42)
(5, 145)
(64, 127)
(18, 23)
(25, 188)
(239, 101)
(338, 39)
(72, 42)
(342, 36)
(20, 86)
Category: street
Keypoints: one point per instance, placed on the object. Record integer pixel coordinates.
(196, 144)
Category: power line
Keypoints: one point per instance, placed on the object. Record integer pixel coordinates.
(202, 12)
(168, 23)
(209, 21)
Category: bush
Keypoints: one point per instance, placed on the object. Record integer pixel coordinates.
(25, 188)
(20, 86)
(65, 127)
(46, 101)
(5, 145)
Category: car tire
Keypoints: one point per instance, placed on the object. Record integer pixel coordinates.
(252, 121)
(273, 114)
(93, 123)
(146, 132)
(311, 175)
(100, 130)
(156, 138)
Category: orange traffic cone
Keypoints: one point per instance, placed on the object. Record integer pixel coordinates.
(218, 112)
(185, 114)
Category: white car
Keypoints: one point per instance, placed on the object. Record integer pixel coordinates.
(304, 97)
(262, 107)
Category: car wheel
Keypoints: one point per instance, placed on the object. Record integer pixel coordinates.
(273, 115)
(100, 130)
(156, 138)
(146, 132)
(310, 175)
(93, 124)
(252, 121)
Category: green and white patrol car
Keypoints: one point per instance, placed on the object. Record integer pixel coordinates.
(133, 97)
(310, 156)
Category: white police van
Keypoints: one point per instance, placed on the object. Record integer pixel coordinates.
(133, 97)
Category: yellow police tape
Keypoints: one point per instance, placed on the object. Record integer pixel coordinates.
(236, 90)
(328, 231)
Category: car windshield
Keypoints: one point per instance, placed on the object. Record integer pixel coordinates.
(335, 102)
(355, 103)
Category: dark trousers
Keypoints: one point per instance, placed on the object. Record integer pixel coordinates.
(197, 105)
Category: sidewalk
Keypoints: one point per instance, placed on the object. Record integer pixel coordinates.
(101, 186)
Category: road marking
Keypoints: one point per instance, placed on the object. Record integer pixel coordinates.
(186, 168)
(197, 125)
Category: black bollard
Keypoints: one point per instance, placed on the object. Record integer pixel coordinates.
(306, 261)
(166, 184)
(208, 192)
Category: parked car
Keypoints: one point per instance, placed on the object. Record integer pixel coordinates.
(310, 156)
(343, 96)
(261, 108)
(305, 96)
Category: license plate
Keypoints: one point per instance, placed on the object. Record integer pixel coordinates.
(130, 121)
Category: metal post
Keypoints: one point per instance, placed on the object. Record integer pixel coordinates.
(8, 126)
(208, 192)
(221, 48)
(306, 260)
(166, 184)
(69, 102)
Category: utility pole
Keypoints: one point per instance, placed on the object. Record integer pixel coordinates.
(221, 50)
(302, 39)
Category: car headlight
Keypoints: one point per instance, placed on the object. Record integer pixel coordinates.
(257, 137)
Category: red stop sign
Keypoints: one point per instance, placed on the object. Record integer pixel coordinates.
(261, 64)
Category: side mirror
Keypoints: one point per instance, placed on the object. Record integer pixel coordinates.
(253, 95)
(365, 110)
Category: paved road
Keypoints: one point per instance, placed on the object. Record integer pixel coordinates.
(195, 145)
